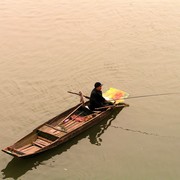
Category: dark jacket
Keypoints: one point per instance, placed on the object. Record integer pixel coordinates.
(96, 99)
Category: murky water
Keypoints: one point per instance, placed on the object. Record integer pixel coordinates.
(50, 47)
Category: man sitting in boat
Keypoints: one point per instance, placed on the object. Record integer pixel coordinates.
(96, 98)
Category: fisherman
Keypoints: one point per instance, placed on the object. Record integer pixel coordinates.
(96, 98)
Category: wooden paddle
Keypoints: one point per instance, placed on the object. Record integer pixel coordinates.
(81, 98)
(87, 97)
(111, 106)
(70, 114)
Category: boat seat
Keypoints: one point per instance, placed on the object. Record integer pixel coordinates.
(43, 141)
(38, 144)
(46, 135)
(57, 128)
(54, 131)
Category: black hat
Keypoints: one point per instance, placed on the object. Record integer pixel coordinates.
(97, 84)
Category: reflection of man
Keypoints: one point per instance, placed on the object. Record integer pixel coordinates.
(96, 98)
(98, 130)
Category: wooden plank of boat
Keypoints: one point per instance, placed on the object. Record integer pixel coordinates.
(42, 141)
(58, 130)
(30, 149)
(52, 130)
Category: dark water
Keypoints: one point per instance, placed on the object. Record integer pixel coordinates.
(50, 47)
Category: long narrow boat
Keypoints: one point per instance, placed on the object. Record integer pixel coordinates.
(59, 130)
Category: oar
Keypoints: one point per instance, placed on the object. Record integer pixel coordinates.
(111, 106)
(70, 114)
(87, 97)
(81, 98)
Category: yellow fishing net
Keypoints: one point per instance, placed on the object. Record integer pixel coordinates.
(114, 94)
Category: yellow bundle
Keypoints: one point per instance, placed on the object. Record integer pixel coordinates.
(116, 95)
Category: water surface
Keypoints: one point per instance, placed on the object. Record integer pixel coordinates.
(50, 47)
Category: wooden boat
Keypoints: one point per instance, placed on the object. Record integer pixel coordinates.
(59, 130)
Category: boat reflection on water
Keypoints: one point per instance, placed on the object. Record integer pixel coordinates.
(97, 131)
(18, 167)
